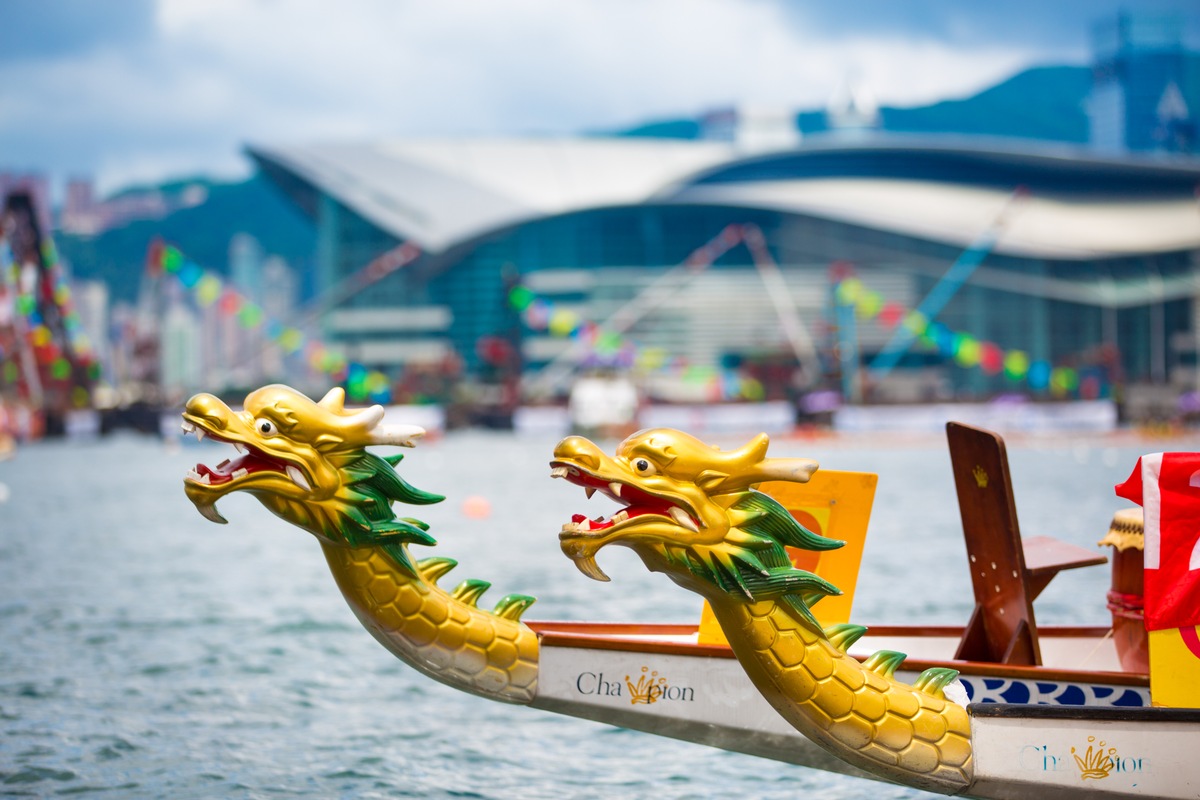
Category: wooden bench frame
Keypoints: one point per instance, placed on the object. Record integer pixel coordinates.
(1007, 573)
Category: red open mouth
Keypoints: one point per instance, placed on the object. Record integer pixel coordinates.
(251, 461)
(636, 502)
(237, 468)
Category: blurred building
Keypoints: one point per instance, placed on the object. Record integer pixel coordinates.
(1085, 259)
(1145, 86)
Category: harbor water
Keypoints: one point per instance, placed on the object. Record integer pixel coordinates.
(146, 652)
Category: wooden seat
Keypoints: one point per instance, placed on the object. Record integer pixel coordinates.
(1006, 573)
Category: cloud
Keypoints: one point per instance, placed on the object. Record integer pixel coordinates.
(181, 86)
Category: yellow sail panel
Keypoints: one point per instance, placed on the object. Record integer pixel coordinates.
(1175, 667)
(834, 504)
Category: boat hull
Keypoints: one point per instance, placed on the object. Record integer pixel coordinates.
(658, 679)
(1084, 752)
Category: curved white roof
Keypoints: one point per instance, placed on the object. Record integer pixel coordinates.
(441, 192)
(1034, 225)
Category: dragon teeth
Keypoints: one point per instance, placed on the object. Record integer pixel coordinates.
(615, 489)
(240, 473)
(209, 512)
(199, 435)
(587, 565)
(558, 472)
(187, 427)
(620, 516)
(298, 478)
(241, 448)
(591, 490)
(192, 475)
(681, 516)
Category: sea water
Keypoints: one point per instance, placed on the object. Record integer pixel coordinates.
(146, 652)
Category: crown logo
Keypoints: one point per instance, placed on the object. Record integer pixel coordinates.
(981, 477)
(648, 689)
(1096, 762)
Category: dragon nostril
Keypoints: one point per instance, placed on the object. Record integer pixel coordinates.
(208, 408)
(579, 450)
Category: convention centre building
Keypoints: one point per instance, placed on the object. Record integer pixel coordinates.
(886, 267)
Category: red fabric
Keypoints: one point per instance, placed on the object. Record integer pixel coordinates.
(1168, 489)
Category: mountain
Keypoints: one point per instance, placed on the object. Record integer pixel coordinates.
(1042, 103)
(202, 232)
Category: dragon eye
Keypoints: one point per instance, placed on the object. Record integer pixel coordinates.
(265, 427)
(644, 467)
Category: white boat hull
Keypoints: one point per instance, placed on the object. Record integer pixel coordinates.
(646, 679)
(1048, 751)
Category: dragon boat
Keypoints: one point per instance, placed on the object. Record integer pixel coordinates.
(774, 668)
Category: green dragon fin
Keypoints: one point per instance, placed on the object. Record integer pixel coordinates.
(935, 679)
(844, 635)
(512, 606)
(811, 598)
(468, 591)
(884, 663)
(434, 568)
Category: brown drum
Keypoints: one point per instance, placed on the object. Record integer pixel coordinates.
(1125, 598)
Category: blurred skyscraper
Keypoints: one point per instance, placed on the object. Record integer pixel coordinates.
(1145, 86)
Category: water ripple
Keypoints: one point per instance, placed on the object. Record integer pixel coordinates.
(149, 653)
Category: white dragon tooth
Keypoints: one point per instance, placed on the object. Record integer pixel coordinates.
(298, 478)
(591, 490)
(681, 516)
(241, 448)
(587, 565)
(209, 512)
(192, 475)
(615, 489)
(199, 435)
(620, 516)
(187, 427)
(558, 472)
(240, 473)
(205, 479)
(584, 526)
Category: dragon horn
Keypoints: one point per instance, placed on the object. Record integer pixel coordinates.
(334, 400)
(365, 420)
(785, 469)
(754, 453)
(398, 435)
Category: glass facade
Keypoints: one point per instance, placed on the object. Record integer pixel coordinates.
(1109, 320)
(593, 263)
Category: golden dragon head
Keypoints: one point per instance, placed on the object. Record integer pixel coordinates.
(306, 461)
(690, 511)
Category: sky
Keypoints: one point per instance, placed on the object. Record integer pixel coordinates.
(139, 91)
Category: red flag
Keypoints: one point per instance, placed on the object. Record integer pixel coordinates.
(1167, 486)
